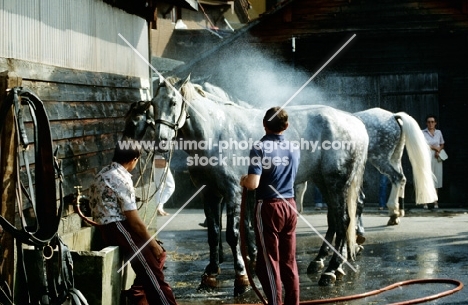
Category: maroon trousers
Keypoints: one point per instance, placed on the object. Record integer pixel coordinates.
(148, 269)
(275, 226)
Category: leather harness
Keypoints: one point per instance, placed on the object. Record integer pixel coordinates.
(38, 208)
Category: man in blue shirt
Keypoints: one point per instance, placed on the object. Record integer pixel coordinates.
(273, 166)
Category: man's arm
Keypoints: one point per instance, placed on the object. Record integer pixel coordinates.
(250, 181)
(139, 227)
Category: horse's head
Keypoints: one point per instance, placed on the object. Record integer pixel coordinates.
(170, 107)
(138, 118)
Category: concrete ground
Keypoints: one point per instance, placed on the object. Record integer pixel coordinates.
(426, 244)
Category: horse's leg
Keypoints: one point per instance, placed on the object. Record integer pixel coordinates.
(249, 237)
(317, 263)
(397, 194)
(392, 168)
(398, 179)
(241, 283)
(360, 239)
(212, 207)
(401, 193)
(220, 240)
(299, 190)
(334, 270)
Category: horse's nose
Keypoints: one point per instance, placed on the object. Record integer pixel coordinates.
(164, 144)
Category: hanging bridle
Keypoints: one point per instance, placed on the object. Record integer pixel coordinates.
(44, 284)
(43, 197)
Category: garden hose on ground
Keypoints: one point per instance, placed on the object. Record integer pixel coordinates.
(458, 284)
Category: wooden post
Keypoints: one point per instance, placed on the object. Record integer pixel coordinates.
(8, 164)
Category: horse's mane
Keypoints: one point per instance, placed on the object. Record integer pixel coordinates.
(191, 91)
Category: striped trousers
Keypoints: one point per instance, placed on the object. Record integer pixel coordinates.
(275, 234)
(148, 268)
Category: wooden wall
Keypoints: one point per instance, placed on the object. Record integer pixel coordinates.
(86, 112)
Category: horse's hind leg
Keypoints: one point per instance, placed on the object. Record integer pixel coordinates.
(360, 239)
(318, 263)
(299, 190)
(392, 168)
(334, 270)
(397, 194)
(395, 203)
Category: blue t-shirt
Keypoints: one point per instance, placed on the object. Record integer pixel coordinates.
(276, 161)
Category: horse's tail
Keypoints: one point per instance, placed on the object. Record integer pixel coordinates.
(354, 187)
(420, 158)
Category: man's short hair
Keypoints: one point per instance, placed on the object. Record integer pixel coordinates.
(125, 154)
(279, 122)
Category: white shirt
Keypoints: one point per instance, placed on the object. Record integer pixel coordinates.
(437, 139)
(111, 194)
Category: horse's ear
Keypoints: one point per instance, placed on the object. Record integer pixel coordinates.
(132, 105)
(186, 80)
(145, 105)
(150, 115)
(181, 83)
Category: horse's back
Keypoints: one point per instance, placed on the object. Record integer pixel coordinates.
(384, 132)
(334, 139)
(327, 123)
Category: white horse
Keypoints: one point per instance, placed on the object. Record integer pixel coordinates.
(389, 134)
(334, 154)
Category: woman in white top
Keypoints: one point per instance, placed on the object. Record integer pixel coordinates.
(435, 140)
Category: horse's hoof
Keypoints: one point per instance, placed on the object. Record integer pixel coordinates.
(214, 271)
(315, 266)
(208, 283)
(327, 279)
(339, 273)
(360, 239)
(359, 249)
(241, 285)
(393, 221)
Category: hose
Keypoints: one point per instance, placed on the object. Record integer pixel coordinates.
(458, 284)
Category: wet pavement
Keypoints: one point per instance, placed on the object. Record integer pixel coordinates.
(427, 244)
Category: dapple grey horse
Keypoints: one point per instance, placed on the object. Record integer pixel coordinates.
(389, 134)
(217, 137)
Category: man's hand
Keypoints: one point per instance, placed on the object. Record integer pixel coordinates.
(250, 181)
(138, 227)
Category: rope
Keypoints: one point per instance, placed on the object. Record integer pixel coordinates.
(244, 247)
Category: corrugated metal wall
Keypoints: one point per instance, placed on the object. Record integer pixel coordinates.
(77, 34)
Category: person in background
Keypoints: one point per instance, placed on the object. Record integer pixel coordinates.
(272, 173)
(113, 206)
(164, 182)
(383, 192)
(436, 142)
(318, 199)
